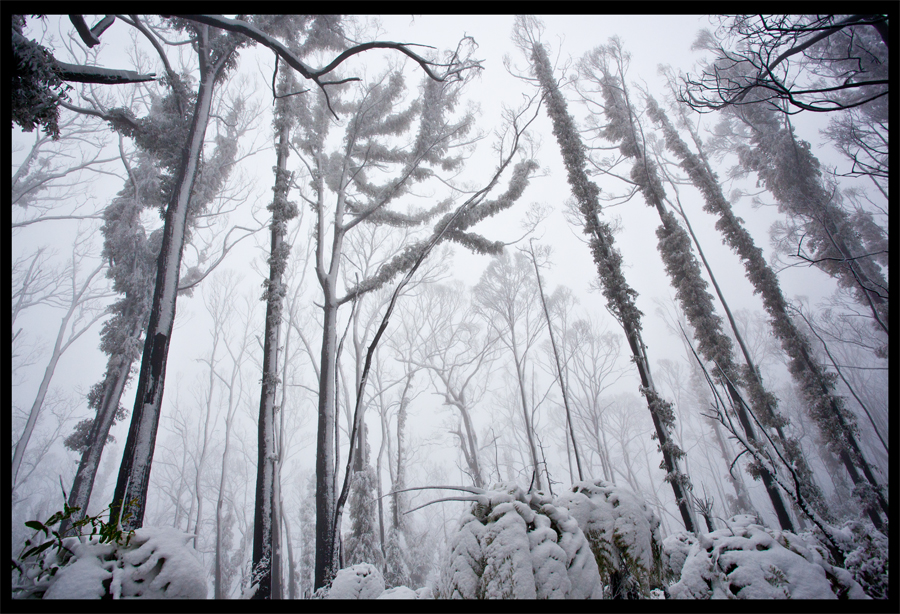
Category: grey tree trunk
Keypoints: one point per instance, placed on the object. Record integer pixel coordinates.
(265, 518)
(129, 501)
(117, 372)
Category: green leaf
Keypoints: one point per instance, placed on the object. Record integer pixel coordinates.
(38, 549)
(37, 525)
(55, 518)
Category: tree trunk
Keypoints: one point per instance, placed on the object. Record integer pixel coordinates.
(265, 517)
(117, 372)
(559, 372)
(325, 469)
(129, 502)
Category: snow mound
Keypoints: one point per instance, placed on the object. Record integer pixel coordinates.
(159, 565)
(156, 564)
(84, 578)
(749, 561)
(398, 592)
(623, 534)
(517, 545)
(360, 581)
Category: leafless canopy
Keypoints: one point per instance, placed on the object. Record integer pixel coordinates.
(798, 63)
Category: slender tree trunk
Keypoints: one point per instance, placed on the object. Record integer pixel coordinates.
(266, 515)
(198, 485)
(559, 372)
(529, 430)
(129, 501)
(378, 469)
(117, 373)
(325, 469)
(220, 502)
(292, 568)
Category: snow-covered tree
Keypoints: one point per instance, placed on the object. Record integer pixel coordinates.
(606, 67)
(620, 296)
(824, 406)
(361, 544)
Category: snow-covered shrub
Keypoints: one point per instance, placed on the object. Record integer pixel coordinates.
(517, 545)
(360, 581)
(361, 544)
(676, 548)
(623, 534)
(865, 556)
(156, 564)
(749, 561)
(404, 592)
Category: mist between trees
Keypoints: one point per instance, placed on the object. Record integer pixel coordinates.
(352, 279)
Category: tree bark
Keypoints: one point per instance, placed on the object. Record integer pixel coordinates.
(129, 501)
(265, 518)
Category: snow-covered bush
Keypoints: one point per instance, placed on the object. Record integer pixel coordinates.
(517, 545)
(157, 564)
(676, 548)
(107, 562)
(865, 556)
(749, 561)
(361, 544)
(404, 592)
(360, 581)
(623, 534)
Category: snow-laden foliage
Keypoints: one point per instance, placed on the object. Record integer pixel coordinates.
(156, 564)
(396, 571)
(836, 424)
(517, 545)
(36, 86)
(865, 552)
(361, 581)
(622, 532)
(787, 167)
(361, 544)
(364, 581)
(749, 561)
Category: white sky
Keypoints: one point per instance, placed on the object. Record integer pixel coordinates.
(651, 40)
